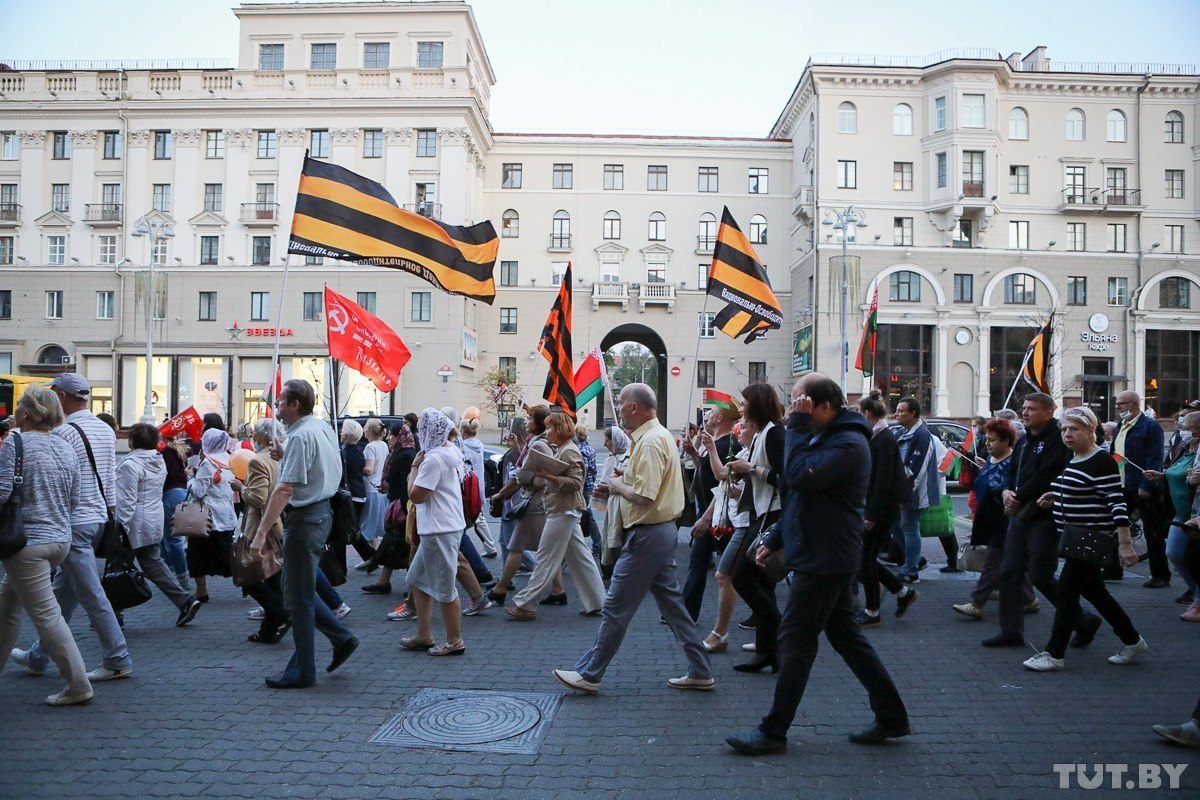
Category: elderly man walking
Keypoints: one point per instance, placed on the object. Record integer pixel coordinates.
(650, 498)
(1140, 441)
(310, 471)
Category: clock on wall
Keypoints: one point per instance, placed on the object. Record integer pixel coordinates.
(962, 336)
(1098, 323)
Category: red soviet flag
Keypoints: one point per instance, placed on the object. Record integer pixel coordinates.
(187, 421)
(363, 341)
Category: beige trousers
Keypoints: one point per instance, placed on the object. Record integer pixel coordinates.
(563, 538)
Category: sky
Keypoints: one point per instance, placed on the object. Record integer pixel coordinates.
(700, 67)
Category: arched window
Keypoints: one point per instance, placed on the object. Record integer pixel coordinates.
(902, 120)
(560, 230)
(612, 225)
(706, 238)
(1174, 128)
(510, 224)
(758, 229)
(1117, 126)
(847, 118)
(53, 354)
(1075, 125)
(1018, 123)
(1175, 293)
(904, 287)
(1020, 290)
(658, 227)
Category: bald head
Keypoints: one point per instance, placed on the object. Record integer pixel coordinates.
(1130, 401)
(638, 405)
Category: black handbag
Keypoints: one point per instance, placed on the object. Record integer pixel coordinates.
(345, 519)
(12, 525)
(109, 543)
(123, 583)
(331, 566)
(1092, 545)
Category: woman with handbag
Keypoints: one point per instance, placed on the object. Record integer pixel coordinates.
(139, 509)
(1088, 503)
(37, 507)
(393, 552)
(374, 456)
(1181, 475)
(355, 482)
(212, 487)
(502, 502)
(174, 549)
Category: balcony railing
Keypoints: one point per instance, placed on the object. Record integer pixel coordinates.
(705, 244)
(560, 241)
(972, 189)
(260, 213)
(606, 292)
(103, 213)
(657, 294)
(802, 202)
(431, 210)
(10, 213)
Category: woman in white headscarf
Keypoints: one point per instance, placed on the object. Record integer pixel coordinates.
(617, 442)
(211, 485)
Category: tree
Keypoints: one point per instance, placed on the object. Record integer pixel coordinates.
(492, 379)
(630, 362)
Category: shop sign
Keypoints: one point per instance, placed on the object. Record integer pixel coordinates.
(268, 332)
(1098, 341)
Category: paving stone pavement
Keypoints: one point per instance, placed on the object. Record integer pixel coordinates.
(197, 721)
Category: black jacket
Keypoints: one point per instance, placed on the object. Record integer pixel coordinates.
(889, 487)
(352, 470)
(775, 457)
(1036, 462)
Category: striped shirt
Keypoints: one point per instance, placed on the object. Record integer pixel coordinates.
(92, 508)
(1088, 493)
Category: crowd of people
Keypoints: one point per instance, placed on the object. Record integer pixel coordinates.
(816, 492)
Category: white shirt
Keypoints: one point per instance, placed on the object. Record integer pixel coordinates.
(92, 508)
(441, 472)
(376, 451)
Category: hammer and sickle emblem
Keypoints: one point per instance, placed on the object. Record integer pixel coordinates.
(338, 319)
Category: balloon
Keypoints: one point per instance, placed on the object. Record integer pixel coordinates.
(472, 412)
(239, 462)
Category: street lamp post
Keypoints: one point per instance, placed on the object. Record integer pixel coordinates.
(155, 231)
(842, 221)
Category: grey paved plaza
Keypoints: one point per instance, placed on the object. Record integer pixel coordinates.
(197, 721)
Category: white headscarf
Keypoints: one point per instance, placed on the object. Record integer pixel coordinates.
(214, 442)
(434, 429)
(619, 438)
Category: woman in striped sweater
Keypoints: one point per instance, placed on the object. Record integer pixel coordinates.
(1088, 494)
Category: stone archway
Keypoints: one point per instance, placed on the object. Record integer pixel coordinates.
(651, 340)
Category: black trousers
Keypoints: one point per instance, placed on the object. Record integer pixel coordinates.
(699, 563)
(872, 573)
(759, 593)
(1030, 546)
(825, 603)
(1083, 578)
(269, 595)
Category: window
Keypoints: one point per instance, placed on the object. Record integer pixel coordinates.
(847, 118)
(508, 320)
(210, 250)
(54, 305)
(377, 55)
(972, 173)
(706, 374)
(1075, 125)
(510, 224)
(902, 120)
(422, 307)
(1116, 184)
(312, 306)
(158, 255)
(557, 270)
(904, 287)
(612, 225)
(509, 273)
(366, 300)
(214, 144)
(941, 171)
(270, 57)
(1116, 238)
(60, 197)
(1174, 238)
(706, 236)
(510, 176)
(208, 307)
(262, 250)
(1018, 179)
(10, 146)
(757, 372)
(758, 229)
(961, 234)
(972, 113)
(939, 114)
(1118, 291)
(1018, 234)
(1175, 293)
(1174, 181)
(563, 176)
(656, 178)
(323, 57)
(1018, 123)
(105, 302)
(164, 145)
(1076, 188)
(758, 180)
(1076, 237)
(426, 143)
(1077, 290)
(429, 55)
(6, 249)
(702, 276)
(707, 179)
(614, 177)
(214, 197)
(62, 145)
(847, 176)
(372, 143)
(161, 198)
(1172, 367)
(313, 261)
(1020, 290)
(266, 144)
(902, 176)
(508, 366)
(113, 144)
(264, 196)
(260, 306)
(110, 195)
(560, 230)
(902, 230)
(658, 227)
(1117, 128)
(964, 287)
(107, 250)
(6, 306)
(610, 271)
(56, 250)
(1173, 134)
(705, 321)
(318, 144)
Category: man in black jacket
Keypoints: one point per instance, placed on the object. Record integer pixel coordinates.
(826, 471)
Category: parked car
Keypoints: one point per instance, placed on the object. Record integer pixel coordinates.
(953, 434)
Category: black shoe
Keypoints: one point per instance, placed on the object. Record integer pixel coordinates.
(554, 600)
(922, 564)
(755, 743)
(759, 664)
(202, 599)
(341, 653)
(1157, 583)
(484, 577)
(949, 568)
(1112, 575)
(865, 620)
(120, 615)
(378, 588)
(748, 624)
(1186, 599)
(903, 603)
(1086, 631)
(877, 732)
(497, 597)
(593, 613)
(1000, 640)
(280, 682)
(270, 634)
(188, 613)
(910, 579)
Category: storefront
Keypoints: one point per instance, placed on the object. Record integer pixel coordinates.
(904, 364)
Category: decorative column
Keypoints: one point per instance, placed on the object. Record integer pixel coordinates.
(33, 198)
(135, 196)
(241, 147)
(983, 392)
(342, 145)
(1136, 369)
(187, 194)
(452, 177)
(397, 150)
(83, 171)
(941, 368)
(291, 142)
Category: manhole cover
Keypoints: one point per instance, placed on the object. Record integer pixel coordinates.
(441, 719)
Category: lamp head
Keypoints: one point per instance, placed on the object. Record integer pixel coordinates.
(1052, 243)
(123, 262)
(1155, 246)
(76, 260)
(862, 223)
(826, 218)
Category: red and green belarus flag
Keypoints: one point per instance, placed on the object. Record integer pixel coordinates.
(589, 378)
(866, 347)
(719, 399)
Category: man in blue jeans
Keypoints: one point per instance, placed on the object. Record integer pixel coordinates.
(310, 470)
(916, 450)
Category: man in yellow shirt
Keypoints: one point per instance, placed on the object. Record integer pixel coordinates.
(650, 498)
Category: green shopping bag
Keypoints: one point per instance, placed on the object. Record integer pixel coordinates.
(938, 520)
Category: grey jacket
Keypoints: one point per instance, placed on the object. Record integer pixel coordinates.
(50, 490)
(140, 479)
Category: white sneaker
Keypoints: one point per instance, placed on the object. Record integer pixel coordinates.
(68, 698)
(476, 606)
(401, 613)
(750, 648)
(1129, 652)
(22, 658)
(342, 611)
(257, 613)
(576, 681)
(695, 684)
(1044, 662)
(969, 609)
(102, 673)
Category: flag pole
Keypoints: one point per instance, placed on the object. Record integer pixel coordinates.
(532, 373)
(695, 362)
(287, 263)
(1020, 376)
(608, 387)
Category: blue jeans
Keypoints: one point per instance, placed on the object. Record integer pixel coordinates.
(468, 549)
(329, 595)
(1177, 547)
(305, 531)
(172, 547)
(909, 528)
(507, 526)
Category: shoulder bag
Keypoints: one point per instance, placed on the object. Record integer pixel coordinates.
(246, 565)
(775, 569)
(109, 543)
(1091, 545)
(124, 584)
(192, 518)
(12, 525)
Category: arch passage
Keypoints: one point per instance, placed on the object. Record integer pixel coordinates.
(650, 339)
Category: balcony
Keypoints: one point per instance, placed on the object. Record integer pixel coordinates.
(705, 245)
(802, 202)
(1122, 201)
(657, 294)
(431, 210)
(560, 243)
(260, 214)
(1088, 200)
(103, 215)
(972, 189)
(10, 215)
(610, 293)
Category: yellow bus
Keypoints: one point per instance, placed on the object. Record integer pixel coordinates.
(11, 389)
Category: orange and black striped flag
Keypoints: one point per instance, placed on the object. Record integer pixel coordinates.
(345, 216)
(555, 345)
(737, 277)
(1037, 359)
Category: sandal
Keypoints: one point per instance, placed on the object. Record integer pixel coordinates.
(413, 643)
(716, 643)
(449, 649)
